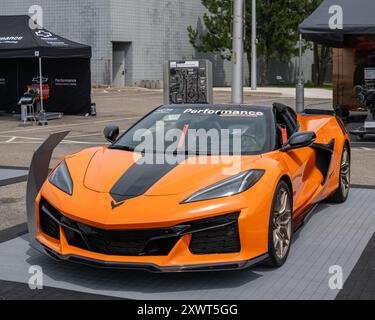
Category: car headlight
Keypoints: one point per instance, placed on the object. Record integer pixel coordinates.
(61, 178)
(228, 187)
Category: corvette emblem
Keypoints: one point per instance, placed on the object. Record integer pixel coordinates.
(116, 205)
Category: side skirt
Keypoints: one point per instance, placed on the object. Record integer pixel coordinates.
(299, 220)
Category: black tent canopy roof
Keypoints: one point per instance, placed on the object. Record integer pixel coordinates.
(18, 40)
(358, 19)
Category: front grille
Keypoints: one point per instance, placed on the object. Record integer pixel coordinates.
(219, 240)
(123, 242)
(213, 235)
(49, 222)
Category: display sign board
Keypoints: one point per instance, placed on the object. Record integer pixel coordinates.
(370, 76)
(188, 81)
(370, 125)
(45, 91)
(184, 64)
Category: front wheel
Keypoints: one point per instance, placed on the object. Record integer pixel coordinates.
(280, 226)
(342, 193)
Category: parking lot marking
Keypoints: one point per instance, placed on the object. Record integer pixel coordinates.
(19, 137)
(363, 149)
(63, 142)
(81, 142)
(68, 125)
(11, 140)
(112, 96)
(86, 135)
(31, 140)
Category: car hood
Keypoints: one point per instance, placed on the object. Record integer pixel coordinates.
(124, 176)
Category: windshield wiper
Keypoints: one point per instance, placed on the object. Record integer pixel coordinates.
(191, 153)
(185, 152)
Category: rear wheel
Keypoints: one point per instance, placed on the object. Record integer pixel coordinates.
(280, 226)
(342, 193)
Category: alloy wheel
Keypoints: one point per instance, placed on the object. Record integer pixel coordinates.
(345, 173)
(282, 223)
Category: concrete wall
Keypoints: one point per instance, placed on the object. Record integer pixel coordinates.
(158, 32)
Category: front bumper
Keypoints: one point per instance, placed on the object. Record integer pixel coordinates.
(224, 266)
(184, 254)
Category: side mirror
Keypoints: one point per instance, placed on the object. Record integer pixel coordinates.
(300, 140)
(111, 133)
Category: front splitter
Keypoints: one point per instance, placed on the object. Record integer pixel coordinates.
(237, 265)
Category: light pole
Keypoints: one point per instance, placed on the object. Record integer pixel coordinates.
(254, 45)
(238, 50)
(300, 88)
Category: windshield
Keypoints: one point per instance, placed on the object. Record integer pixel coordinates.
(202, 130)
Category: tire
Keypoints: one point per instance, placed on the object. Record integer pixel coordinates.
(279, 234)
(342, 193)
(360, 137)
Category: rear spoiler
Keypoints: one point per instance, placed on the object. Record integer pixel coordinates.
(38, 174)
(319, 112)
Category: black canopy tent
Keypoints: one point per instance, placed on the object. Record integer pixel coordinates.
(37, 57)
(353, 56)
(358, 19)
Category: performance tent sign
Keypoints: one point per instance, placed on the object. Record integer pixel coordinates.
(66, 75)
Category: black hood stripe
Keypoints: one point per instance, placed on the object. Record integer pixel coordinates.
(138, 179)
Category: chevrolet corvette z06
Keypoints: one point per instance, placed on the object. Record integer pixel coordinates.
(189, 188)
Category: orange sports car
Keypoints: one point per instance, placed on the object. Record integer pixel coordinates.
(189, 188)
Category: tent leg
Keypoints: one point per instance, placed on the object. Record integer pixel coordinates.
(42, 119)
(18, 81)
(41, 85)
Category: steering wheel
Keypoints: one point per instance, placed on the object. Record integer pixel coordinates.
(252, 138)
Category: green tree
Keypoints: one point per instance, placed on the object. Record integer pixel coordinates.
(277, 29)
(217, 36)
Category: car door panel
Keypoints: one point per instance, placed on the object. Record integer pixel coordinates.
(306, 177)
